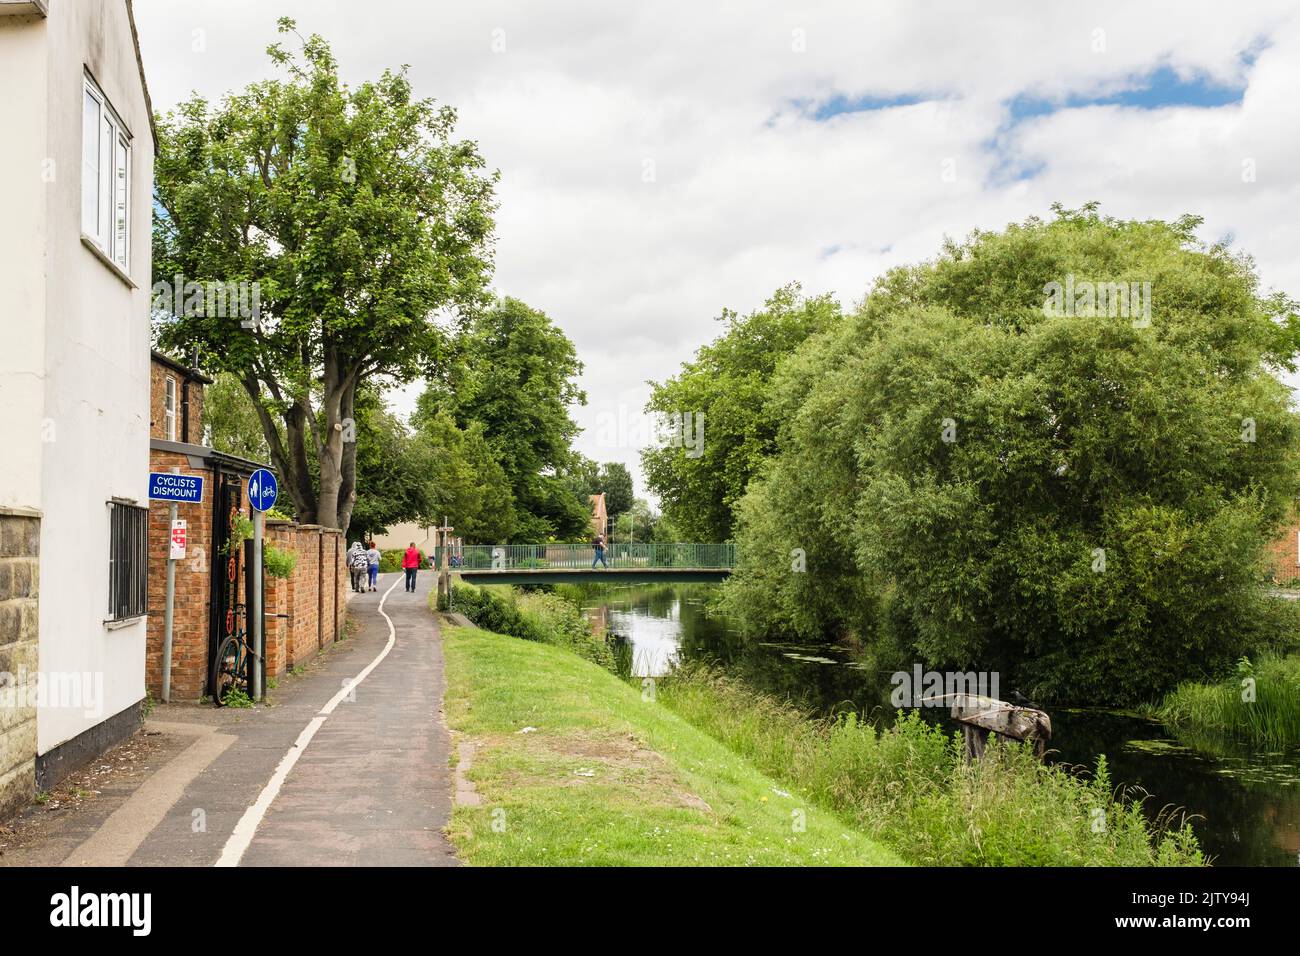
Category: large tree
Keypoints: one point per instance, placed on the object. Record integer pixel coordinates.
(360, 218)
(1076, 499)
(722, 397)
(514, 373)
(467, 485)
(395, 470)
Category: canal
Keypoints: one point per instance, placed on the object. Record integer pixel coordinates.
(1244, 806)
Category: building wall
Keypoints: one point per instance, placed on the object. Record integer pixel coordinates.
(158, 375)
(20, 537)
(401, 536)
(193, 586)
(1284, 553)
(25, 178)
(24, 185)
(97, 374)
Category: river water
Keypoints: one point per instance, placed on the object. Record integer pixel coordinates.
(1244, 807)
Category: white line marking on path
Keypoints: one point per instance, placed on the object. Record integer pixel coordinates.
(246, 828)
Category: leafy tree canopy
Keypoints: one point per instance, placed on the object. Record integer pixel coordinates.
(513, 372)
(358, 216)
(728, 384)
(1080, 502)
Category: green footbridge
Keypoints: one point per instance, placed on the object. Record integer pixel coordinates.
(627, 562)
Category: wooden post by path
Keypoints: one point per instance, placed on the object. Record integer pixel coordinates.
(981, 716)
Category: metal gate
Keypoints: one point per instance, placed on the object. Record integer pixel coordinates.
(227, 499)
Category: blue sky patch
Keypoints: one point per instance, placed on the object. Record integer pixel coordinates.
(840, 104)
(1159, 89)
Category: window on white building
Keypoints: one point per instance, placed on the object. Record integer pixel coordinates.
(105, 177)
(169, 409)
(128, 561)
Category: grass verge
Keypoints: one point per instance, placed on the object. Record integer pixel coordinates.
(910, 788)
(1259, 705)
(607, 777)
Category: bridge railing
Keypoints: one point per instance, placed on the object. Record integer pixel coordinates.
(622, 554)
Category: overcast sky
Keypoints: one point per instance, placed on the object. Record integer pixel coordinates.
(662, 161)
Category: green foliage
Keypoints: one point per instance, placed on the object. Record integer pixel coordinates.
(514, 375)
(532, 616)
(278, 562)
(642, 523)
(910, 787)
(238, 699)
(1259, 705)
(231, 421)
(241, 530)
(467, 485)
(358, 215)
(728, 383)
(391, 559)
(394, 469)
(1065, 499)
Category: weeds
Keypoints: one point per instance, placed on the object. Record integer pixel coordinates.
(910, 786)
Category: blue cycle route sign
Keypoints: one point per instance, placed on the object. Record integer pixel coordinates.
(182, 489)
(262, 490)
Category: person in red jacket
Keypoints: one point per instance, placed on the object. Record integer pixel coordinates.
(411, 564)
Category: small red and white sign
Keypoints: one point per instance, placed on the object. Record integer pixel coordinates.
(178, 540)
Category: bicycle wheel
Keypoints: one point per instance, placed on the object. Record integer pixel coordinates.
(225, 669)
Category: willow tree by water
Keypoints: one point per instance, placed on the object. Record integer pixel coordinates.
(359, 217)
(981, 475)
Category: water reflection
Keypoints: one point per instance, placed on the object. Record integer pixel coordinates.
(1245, 807)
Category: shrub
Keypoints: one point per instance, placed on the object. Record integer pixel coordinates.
(1259, 705)
(391, 559)
(911, 787)
(533, 616)
(278, 562)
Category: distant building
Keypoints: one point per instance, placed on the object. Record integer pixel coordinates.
(599, 514)
(76, 180)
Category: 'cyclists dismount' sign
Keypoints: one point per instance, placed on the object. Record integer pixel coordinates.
(182, 489)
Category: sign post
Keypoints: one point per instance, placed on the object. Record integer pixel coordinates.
(173, 487)
(262, 492)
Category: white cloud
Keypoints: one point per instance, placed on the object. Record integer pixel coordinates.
(748, 191)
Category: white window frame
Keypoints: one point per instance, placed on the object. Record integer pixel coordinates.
(169, 408)
(106, 181)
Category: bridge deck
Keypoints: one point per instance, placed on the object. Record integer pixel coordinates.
(627, 575)
(623, 561)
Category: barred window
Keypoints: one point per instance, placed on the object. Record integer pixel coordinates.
(128, 561)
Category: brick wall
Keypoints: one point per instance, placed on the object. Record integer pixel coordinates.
(302, 613)
(1284, 553)
(20, 538)
(193, 587)
(158, 375)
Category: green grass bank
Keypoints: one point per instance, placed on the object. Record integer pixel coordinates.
(608, 777)
(907, 788)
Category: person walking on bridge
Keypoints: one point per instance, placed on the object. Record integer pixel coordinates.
(411, 564)
(598, 545)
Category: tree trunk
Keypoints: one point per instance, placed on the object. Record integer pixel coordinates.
(331, 450)
(348, 470)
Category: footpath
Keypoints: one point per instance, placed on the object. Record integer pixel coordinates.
(346, 765)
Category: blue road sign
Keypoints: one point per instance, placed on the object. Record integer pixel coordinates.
(262, 490)
(182, 489)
